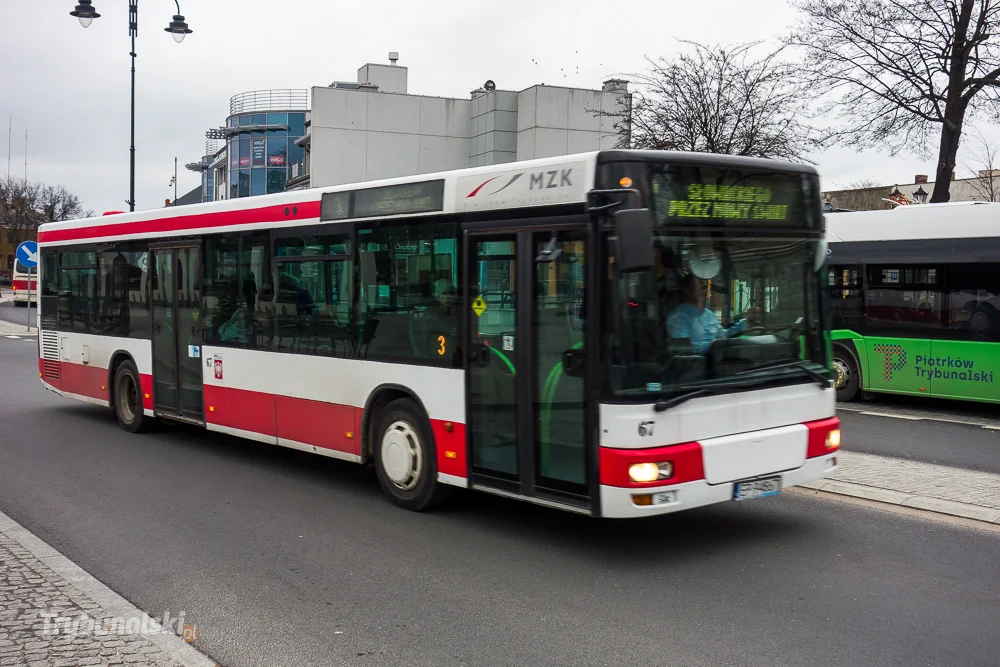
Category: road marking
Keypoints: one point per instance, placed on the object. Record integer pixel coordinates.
(930, 417)
(14, 337)
(890, 415)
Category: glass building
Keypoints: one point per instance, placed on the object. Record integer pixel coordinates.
(257, 152)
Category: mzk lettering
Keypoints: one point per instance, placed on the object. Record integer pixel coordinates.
(949, 368)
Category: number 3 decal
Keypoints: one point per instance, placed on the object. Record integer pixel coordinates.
(441, 349)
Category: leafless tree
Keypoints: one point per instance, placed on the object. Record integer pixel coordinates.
(24, 205)
(19, 216)
(717, 99)
(896, 70)
(57, 203)
(985, 167)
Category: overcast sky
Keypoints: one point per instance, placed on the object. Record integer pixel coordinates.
(69, 87)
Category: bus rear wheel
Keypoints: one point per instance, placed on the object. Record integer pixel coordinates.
(404, 457)
(127, 399)
(846, 375)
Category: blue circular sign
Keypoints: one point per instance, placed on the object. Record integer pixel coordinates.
(27, 254)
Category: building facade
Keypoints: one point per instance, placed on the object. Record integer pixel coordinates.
(373, 128)
(256, 151)
(984, 186)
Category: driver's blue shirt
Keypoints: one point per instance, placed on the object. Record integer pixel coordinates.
(700, 326)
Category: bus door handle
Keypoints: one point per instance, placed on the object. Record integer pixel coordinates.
(574, 362)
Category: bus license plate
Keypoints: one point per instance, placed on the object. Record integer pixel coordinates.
(758, 488)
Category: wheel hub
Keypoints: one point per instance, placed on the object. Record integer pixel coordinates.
(401, 455)
(842, 374)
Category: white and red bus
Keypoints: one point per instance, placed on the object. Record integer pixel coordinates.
(620, 333)
(19, 285)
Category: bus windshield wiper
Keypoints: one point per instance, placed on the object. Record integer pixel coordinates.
(694, 391)
(779, 365)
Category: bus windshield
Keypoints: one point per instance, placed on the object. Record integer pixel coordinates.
(723, 302)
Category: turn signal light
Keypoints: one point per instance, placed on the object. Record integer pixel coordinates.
(650, 472)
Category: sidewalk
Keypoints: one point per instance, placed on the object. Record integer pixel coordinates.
(954, 491)
(11, 329)
(48, 609)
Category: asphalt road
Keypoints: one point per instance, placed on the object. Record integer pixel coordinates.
(281, 558)
(9, 312)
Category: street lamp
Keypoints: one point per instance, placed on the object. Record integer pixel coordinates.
(178, 28)
(920, 195)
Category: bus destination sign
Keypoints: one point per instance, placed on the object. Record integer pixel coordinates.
(406, 198)
(728, 202)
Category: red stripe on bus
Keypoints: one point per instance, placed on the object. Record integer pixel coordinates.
(316, 423)
(686, 459)
(240, 409)
(182, 223)
(450, 447)
(88, 381)
(23, 285)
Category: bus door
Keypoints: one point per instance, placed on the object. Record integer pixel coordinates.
(176, 301)
(527, 424)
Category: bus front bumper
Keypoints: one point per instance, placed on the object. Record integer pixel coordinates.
(620, 503)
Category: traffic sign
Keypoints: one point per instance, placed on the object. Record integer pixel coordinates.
(479, 306)
(27, 254)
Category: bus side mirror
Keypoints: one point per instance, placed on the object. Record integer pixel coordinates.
(635, 240)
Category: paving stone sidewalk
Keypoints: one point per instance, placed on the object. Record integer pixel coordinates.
(955, 491)
(39, 585)
(11, 329)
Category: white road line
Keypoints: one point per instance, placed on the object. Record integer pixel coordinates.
(14, 337)
(930, 418)
(890, 415)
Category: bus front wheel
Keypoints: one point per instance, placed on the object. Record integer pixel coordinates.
(846, 375)
(405, 458)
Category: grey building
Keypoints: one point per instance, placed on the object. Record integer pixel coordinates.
(373, 127)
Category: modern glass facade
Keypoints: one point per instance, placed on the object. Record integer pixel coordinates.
(261, 160)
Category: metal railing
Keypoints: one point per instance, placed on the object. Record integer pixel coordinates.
(282, 99)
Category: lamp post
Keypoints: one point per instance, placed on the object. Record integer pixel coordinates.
(86, 14)
(920, 195)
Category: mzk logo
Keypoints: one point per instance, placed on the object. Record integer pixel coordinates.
(930, 367)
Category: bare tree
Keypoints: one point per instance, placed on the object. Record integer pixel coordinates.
(985, 167)
(57, 203)
(894, 70)
(24, 205)
(19, 216)
(717, 99)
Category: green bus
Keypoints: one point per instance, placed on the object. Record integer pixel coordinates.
(915, 300)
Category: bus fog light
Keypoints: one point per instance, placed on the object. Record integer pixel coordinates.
(649, 499)
(833, 439)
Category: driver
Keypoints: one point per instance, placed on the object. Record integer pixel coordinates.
(693, 321)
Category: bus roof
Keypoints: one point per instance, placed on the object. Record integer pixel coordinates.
(560, 180)
(954, 220)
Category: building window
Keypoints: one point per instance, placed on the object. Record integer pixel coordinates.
(408, 292)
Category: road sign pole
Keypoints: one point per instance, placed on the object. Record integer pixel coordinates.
(29, 300)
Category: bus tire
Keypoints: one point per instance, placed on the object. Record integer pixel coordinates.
(127, 399)
(846, 374)
(405, 458)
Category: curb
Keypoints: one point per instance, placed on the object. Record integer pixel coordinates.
(889, 497)
(112, 603)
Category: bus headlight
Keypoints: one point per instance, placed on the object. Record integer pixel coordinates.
(833, 439)
(650, 472)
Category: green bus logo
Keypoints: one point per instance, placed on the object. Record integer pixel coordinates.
(889, 353)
